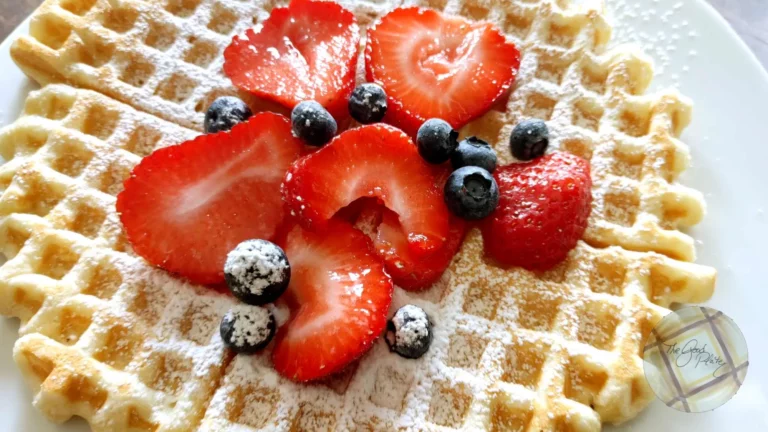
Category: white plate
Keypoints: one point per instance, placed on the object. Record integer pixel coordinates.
(696, 50)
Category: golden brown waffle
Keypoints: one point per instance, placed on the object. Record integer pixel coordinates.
(512, 351)
(165, 59)
(130, 348)
(103, 336)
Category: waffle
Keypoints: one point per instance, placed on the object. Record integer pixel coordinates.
(129, 348)
(512, 351)
(165, 59)
(103, 336)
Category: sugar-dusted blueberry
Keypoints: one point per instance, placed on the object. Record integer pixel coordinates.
(224, 113)
(529, 139)
(409, 332)
(257, 272)
(368, 103)
(247, 329)
(313, 123)
(436, 141)
(471, 193)
(472, 151)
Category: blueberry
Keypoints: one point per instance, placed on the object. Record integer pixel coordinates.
(313, 123)
(473, 151)
(247, 329)
(224, 113)
(471, 193)
(436, 140)
(529, 139)
(257, 272)
(409, 332)
(368, 103)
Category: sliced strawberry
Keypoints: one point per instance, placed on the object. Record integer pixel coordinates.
(371, 161)
(354, 210)
(339, 297)
(408, 271)
(307, 50)
(186, 206)
(435, 65)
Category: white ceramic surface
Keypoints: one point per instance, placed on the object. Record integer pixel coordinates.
(695, 50)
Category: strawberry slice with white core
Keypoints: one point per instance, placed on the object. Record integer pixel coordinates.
(375, 161)
(409, 272)
(339, 297)
(438, 66)
(185, 207)
(306, 51)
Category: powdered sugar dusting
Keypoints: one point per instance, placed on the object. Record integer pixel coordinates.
(250, 325)
(475, 303)
(487, 321)
(411, 326)
(255, 265)
(663, 45)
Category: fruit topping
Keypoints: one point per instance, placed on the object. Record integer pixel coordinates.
(368, 103)
(247, 329)
(409, 332)
(224, 113)
(185, 207)
(542, 212)
(313, 123)
(257, 272)
(529, 139)
(408, 271)
(377, 161)
(471, 193)
(305, 51)
(472, 151)
(438, 66)
(339, 297)
(436, 141)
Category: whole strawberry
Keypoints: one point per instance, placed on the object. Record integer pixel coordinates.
(543, 211)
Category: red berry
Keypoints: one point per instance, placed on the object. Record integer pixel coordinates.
(375, 161)
(410, 272)
(305, 51)
(339, 297)
(438, 66)
(543, 211)
(186, 206)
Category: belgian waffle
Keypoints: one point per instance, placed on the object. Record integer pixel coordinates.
(127, 347)
(166, 59)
